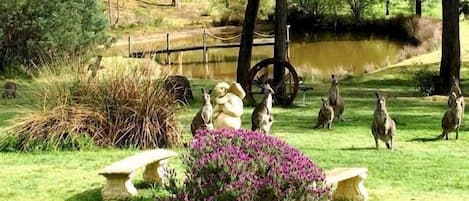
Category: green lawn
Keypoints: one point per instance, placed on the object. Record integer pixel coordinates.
(420, 168)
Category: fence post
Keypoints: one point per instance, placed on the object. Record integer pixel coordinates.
(288, 42)
(168, 54)
(130, 53)
(204, 51)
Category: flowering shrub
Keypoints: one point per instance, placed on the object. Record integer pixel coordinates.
(247, 165)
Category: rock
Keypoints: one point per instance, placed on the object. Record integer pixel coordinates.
(180, 86)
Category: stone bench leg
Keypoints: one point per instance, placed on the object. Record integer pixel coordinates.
(118, 186)
(351, 189)
(155, 172)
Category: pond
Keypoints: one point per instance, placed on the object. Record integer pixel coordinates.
(313, 55)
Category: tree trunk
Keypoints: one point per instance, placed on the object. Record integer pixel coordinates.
(247, 37)
(418, 7)
(387, 7)
(110, 12)
(450, 48)
(280, 47)
(116, 23)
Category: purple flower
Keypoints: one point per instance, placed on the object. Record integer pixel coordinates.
(247, 165)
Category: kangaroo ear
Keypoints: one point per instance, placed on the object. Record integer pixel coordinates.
(332, 76)
(377, 95)
(210, 91)
(202, 90)
(323, 100)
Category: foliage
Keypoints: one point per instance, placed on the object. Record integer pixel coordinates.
(232, 11)
(311, 8)
(357, 7)
(424, 81)
(34, 31)
(8, 143)
(248, 165)
(120, 109)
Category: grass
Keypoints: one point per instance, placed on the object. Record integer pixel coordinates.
(419, 169)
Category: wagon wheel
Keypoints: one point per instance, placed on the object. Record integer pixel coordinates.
(263, 72)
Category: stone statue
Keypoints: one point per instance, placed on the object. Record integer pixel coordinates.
(229, 105)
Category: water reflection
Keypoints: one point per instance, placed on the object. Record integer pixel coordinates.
(316, 55)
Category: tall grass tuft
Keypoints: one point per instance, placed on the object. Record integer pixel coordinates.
(118, 108)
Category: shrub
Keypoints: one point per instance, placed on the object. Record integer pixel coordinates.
(424, 82)
(357, 7)
(228, 12)
(311, 8)
(33, 31)
(247, 165)
(122, 109)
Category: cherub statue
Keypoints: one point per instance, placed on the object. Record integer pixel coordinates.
(229, 105)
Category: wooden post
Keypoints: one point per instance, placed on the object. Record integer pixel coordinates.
(168, 54)
(175, 3)
(288, 42)
(129, 48)
(180, 62)
(205, 51)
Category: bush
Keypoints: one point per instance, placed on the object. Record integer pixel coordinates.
(122, 109)
(424, 82)
(34, 31)
(231, 12)
(311, 8)
(247, 165)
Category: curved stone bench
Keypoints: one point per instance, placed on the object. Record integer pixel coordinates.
(349, 183)
(119, 174)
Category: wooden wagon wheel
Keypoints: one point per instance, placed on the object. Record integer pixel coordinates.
(263, 72)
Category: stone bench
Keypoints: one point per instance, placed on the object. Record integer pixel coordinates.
(119, 174)
(349, 183)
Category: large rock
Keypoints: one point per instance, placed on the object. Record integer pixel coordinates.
(180, 86)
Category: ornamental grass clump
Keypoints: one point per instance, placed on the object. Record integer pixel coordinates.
(118, 109)
(248, 165)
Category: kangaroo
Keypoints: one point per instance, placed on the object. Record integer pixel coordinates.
(94, 67)
(9, 90)
(335, 100)
(452, 118)
(326, 115)
(203, 118)
(457, 90)
(383, 127)
(262, 117)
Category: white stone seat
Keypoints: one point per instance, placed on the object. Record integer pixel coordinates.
(119, 174)
(349, 183)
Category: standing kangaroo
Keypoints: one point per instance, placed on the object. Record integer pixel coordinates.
(335, 100)
(383, 127)
(452, 118)
(9, 90)
(94, 67)
(262, 117)
(457, 90)
(203, 118)
(326, 115)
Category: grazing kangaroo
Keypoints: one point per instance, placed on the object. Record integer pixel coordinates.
(203, 118)
(452, 118)
(262, 117)
(383, 127)
(9, 90)
(326, 115)
(335, 100)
